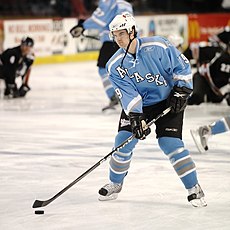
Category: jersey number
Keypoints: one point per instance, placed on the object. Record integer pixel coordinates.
(225, 68)
(98, 12)
(184, 59)
(118, 92)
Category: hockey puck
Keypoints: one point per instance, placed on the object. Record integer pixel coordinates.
(39, 212)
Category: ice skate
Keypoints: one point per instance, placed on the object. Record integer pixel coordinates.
(196, 196)
(11, 91)
(114, 101)
(200, 137)
(109, 191)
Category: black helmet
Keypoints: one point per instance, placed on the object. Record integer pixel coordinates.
(221, 39)
(27, 41)
(224, 36)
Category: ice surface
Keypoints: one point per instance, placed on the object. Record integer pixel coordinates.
(57, 132)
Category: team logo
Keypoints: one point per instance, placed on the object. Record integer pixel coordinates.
(171, 129)
(124, 122)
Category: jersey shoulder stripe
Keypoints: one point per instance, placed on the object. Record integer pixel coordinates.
(153, 41)
(186, 78)
(134, 103)
(118, 55)
(98, 21)
(154, 44)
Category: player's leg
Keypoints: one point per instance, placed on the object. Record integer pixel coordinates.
(119, 166)
(200, 90)
(106, 52)
(169, 134)
(11, 90)
(119, 162)
(203, 133)
(109, 90)
(24, 89)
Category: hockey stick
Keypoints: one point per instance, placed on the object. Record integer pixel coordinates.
(91, 37)
(27, 76)
(40, 203)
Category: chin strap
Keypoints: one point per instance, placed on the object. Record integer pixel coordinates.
(130, 41)
(126, 51)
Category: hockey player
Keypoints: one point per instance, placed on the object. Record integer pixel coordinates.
(100, 20)
(149, 75)
(211, 82)
(203, 133)
(16, 62)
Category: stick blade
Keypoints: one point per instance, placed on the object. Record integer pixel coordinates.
(38, 204)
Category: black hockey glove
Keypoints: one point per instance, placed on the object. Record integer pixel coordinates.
(29, 60)
(11, 91)
(138, 125)
(23, 90)
(178, 98)
(77, 30)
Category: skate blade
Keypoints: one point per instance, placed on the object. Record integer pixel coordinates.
(111, 108)
(107, 198)
(198, 202)
(108, 108)
(196, 139)
(111, 111)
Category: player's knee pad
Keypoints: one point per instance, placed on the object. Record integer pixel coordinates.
(180, 159)
(121, 137)
(121, 159)
(170, 144)
(120, 162)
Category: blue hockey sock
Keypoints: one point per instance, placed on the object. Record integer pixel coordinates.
(120, 160)
(220, 126)
(109, 90)
(180, 160)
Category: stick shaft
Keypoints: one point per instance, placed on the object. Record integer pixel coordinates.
(91, 37)
(39, 203)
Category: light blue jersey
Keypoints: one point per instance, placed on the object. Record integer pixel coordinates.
(104, 14)
(148, 77)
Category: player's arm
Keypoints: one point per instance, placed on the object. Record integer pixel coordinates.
(177, 66)
(98, 20)
(27, 63)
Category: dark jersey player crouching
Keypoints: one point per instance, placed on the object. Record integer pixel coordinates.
(16, 62)
(149, 75)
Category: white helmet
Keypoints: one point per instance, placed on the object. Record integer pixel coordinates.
(176, 39)
(122, 21)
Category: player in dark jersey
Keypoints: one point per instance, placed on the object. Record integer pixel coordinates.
(16, 62)
(211, 82)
